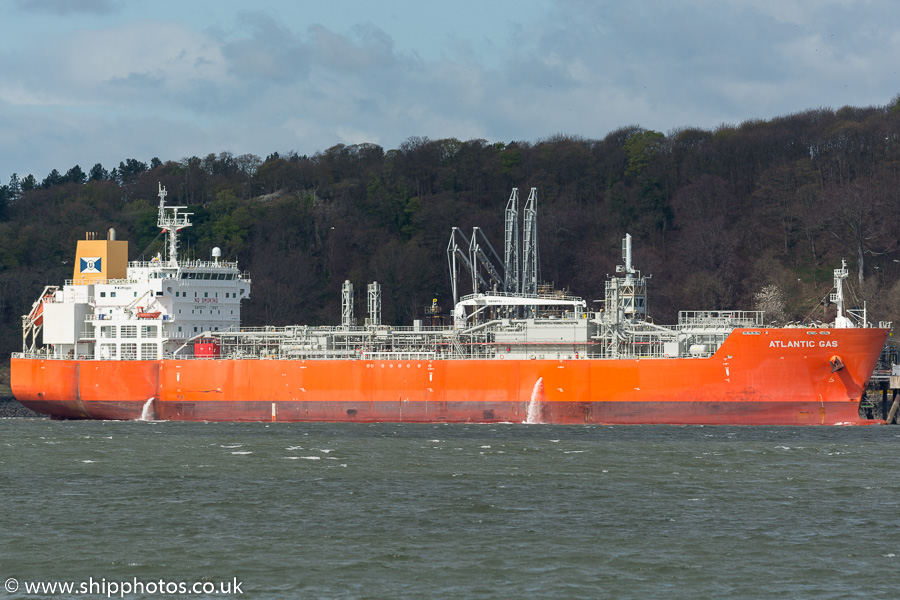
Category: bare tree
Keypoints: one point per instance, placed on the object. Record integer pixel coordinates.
(852, 217)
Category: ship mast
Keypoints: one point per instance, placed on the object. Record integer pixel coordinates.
(171, 222)
(842, 321)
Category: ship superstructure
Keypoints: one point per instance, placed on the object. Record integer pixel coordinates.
(121, 337)
(113, 309)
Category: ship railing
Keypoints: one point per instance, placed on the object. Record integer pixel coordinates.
(49, 354)
(205, 264)
(398, 355)
(553, 321)
(266, 330)
(306, 331)
(189, 265)
(415, 329)
(120, 317)
(544, 296)
(720, 318)
(301, 354)
(144, 264)
(383, 330)
(42, 354)
(101, 281)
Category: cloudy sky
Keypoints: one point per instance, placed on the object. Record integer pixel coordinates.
(87, 81)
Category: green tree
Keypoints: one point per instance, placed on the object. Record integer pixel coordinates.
(5, 199)
(52, 178)
(641, 148)
(15, 188)
(98, 173)
(75, 175)
(129, 170)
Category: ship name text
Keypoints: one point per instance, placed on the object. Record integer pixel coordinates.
(803, 344)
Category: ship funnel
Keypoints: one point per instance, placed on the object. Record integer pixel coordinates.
(111, 234)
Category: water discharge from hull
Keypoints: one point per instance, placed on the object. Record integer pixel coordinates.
(147, 413)
(533, 415)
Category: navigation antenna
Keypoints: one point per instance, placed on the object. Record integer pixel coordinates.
(171, 222)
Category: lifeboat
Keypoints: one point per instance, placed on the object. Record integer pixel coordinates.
(37, 314)
(142, 314)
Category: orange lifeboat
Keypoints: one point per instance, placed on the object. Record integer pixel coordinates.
(37, 316)
(147, 315)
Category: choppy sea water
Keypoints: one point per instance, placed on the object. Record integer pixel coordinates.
(451, 511)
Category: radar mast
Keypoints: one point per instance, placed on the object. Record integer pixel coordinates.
(171, 222)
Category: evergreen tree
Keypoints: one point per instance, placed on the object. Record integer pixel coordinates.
(52, 178)
(5, 199)
(75, 175)
(98, 173)
(130, 169)
(15, 188)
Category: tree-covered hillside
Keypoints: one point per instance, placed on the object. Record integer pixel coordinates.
(717, 216)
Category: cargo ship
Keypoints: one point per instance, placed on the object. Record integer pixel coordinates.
(162, 339)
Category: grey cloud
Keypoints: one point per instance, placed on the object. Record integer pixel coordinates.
(271, 52)
(372, 49)
(138, 82)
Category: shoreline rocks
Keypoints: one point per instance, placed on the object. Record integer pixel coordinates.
(10, 407)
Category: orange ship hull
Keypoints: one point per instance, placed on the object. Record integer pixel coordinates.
(757, 377)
